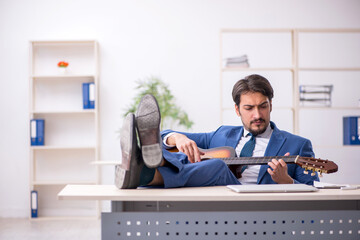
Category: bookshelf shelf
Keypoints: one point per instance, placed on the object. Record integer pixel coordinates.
(39, 183)
(62, 77)
(333, 108)
(62, 42)
(87, 111)
(63, 148)
(70, 131)
(328, 69)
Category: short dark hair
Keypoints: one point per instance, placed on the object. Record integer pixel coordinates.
(252, 83)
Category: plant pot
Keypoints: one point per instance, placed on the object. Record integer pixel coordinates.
(62, 70)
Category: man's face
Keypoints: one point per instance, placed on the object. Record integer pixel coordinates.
(254, 110)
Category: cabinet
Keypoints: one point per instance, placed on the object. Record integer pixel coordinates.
(289, 58)
(71, 135)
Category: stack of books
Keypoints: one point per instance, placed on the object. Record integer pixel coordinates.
(315, 95)
(237, 62)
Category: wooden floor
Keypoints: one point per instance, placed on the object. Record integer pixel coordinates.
(19, 229)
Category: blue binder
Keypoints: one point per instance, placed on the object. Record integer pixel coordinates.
(34, 204)
(85, 91)
(33, 134)
(351, 127)
(37, 132)
(40, 132)
(88, 90)
(91, 95)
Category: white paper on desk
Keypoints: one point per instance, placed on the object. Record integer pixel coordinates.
(324, 184)
(331, 185)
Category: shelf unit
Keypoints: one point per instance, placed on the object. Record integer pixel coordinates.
(293, 57)
(71, 132)
(235, 42)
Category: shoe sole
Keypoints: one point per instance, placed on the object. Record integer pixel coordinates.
(148, 125)
(127, 175)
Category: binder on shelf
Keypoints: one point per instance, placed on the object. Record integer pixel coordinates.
(33, 132)
(88, 95)
(37, 127)
(85, 90)
(34, 204)
(351, 128)
(91, 95)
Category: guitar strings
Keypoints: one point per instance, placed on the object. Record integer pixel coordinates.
(256, 160)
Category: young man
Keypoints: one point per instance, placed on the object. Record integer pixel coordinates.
(257, 137)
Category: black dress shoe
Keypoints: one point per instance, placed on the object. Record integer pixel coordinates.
(148, 125)
(127, 175)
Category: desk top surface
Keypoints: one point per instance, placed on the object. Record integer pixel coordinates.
(217, 193)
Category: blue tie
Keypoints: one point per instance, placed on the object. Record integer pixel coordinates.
(248, 149)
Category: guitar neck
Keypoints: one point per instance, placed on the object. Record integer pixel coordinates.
(257, 160)
(308, 163)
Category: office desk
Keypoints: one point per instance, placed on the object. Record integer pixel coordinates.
(219, 213)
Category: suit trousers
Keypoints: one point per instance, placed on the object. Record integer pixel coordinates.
(180, 172)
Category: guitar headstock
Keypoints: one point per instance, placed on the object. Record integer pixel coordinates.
(316, 165)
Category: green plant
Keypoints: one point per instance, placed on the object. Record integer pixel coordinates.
(168, 109)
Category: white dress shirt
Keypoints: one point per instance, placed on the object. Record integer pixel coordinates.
(251, 173)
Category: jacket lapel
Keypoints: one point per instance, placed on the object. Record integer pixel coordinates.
(234, 136)
(276, 142)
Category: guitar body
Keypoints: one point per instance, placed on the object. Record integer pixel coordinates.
(219, 152)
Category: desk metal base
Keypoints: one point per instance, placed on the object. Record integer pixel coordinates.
(219, 213)
(232, 220)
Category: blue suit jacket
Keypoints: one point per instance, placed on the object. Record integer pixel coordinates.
(280, 143)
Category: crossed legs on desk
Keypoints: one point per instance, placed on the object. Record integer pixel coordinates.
(149, 164)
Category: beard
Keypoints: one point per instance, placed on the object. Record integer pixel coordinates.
(258, 130)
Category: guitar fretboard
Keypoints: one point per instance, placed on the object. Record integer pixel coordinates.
(257, 160)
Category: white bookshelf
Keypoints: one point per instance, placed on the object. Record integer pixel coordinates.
(71, 132)
(289, 58)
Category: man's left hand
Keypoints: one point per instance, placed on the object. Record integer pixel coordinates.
(278, 171)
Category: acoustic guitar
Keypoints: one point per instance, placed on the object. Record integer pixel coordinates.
(228, 155)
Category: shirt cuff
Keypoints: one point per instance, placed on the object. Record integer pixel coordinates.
(165, 139)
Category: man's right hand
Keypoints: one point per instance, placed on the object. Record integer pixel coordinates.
(186, 145)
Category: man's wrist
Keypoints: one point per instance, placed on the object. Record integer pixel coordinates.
(289, 180)
(165, 140)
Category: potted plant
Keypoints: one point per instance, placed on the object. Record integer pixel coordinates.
(170, 112)
(62, 66)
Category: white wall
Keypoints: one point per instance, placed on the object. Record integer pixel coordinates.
(175, 40)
